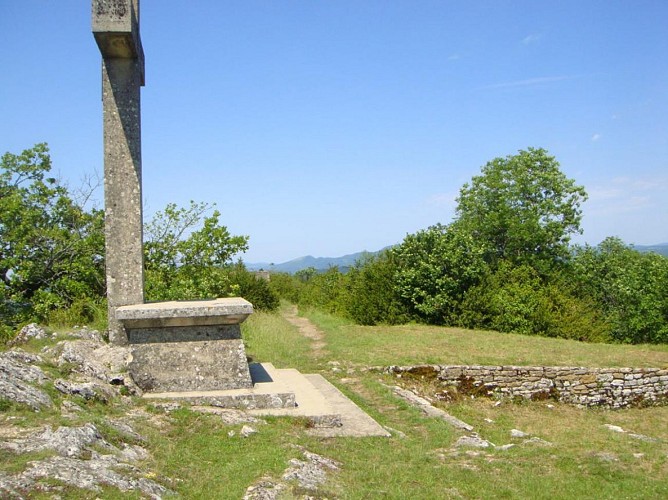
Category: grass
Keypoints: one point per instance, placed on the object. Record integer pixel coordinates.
(199, 456)
(420, 344)
(585, 459)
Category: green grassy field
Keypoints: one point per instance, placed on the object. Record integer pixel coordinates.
(585, 459)
(199, 456)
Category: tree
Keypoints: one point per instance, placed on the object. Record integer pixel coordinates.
(187, 263)
(522, 208)
(435, 267)
(51, 247)
(171, 240)
(629, 287)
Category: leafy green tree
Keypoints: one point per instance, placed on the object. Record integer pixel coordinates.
(435, 267)
(51, 247)
(630, 288)
(522, 208)
(171, 241)
(306, 275)
(183, 262)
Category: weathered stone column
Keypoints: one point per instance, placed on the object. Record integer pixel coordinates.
(116, 30)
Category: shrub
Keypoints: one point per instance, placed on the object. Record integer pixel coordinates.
(517, 299)
(629, 287)
(372, 297)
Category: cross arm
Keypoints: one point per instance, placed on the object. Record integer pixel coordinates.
(116, 29)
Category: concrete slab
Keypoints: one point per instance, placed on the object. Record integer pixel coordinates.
(222, 311)
(310, 402)
(331, 413)
(354, 421)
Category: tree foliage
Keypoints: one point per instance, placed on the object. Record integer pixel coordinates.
(630, 288)
(435, 268)
(179, 264)
(52, 250)
(522, 208)
(505, 263)
(371, 300)
(171, 240)
(189, 255)
(51, 247)
(518, 299)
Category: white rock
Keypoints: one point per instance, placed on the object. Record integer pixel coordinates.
(472, 442)
(247, 430)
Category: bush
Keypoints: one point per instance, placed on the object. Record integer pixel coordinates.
(327, 291)
(516, 299)
(90, 312)
(285, 286)
(372, 297)
(253, 288)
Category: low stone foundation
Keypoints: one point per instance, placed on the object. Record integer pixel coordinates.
(606, 387)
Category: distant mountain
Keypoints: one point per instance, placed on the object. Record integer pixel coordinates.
(319, 263)
(347, 261)
(661, 248)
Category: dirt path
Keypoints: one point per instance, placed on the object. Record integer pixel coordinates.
(307, 329)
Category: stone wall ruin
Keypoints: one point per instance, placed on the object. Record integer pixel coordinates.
(604, 387)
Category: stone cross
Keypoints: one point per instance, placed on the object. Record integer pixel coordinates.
(116, 30)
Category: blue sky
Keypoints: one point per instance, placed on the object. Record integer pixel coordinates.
(331, 127)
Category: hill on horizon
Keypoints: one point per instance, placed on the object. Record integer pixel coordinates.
(319, 263)
(347, 261)
(660, 248)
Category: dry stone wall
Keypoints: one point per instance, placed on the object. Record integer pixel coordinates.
(607, 387)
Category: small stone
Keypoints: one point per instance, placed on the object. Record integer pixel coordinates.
(638, 455)
(168, 407)
(614, 428)
(518, 434)
(505, 447)
(550, 406)
(31, 331)
(607, 456)
(642, 437)
(398, 433)
(231, 434)
(472, 442)
(537, 441)
(489, 420)
(247, 430)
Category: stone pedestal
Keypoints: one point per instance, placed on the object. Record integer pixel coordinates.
(187, 346)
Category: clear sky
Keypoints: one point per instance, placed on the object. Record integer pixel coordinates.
(331, 127)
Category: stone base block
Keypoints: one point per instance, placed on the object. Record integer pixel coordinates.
(227, 400)
(190, 366)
